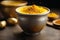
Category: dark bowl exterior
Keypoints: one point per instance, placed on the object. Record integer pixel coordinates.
(32, 23)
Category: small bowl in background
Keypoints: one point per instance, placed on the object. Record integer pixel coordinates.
(8, 8)
(52, 16)
(56, 23)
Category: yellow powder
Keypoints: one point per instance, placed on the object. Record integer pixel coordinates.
(53, 15)
(34, 9)
(58, 22)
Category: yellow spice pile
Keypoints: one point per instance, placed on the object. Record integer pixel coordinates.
(34, 9)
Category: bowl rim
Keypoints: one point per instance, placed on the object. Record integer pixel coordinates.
(21, 4)
(54, 22)
(33, 14)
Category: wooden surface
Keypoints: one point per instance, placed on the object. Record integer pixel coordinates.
(16, 33)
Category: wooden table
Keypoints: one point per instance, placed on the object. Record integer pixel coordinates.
(16, 33)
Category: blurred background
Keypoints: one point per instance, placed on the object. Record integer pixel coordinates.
(47, 3)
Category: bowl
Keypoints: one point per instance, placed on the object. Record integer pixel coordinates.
(32, 23)
(8, 8)
(52, 16)
(56, 22)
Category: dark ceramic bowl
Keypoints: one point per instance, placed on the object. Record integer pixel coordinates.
(32, 24)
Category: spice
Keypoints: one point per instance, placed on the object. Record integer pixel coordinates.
(53, 15)
(58, 22)
(34, 9)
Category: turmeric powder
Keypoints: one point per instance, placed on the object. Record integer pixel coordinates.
(58, 22)
(34, 9)
(53, 15)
